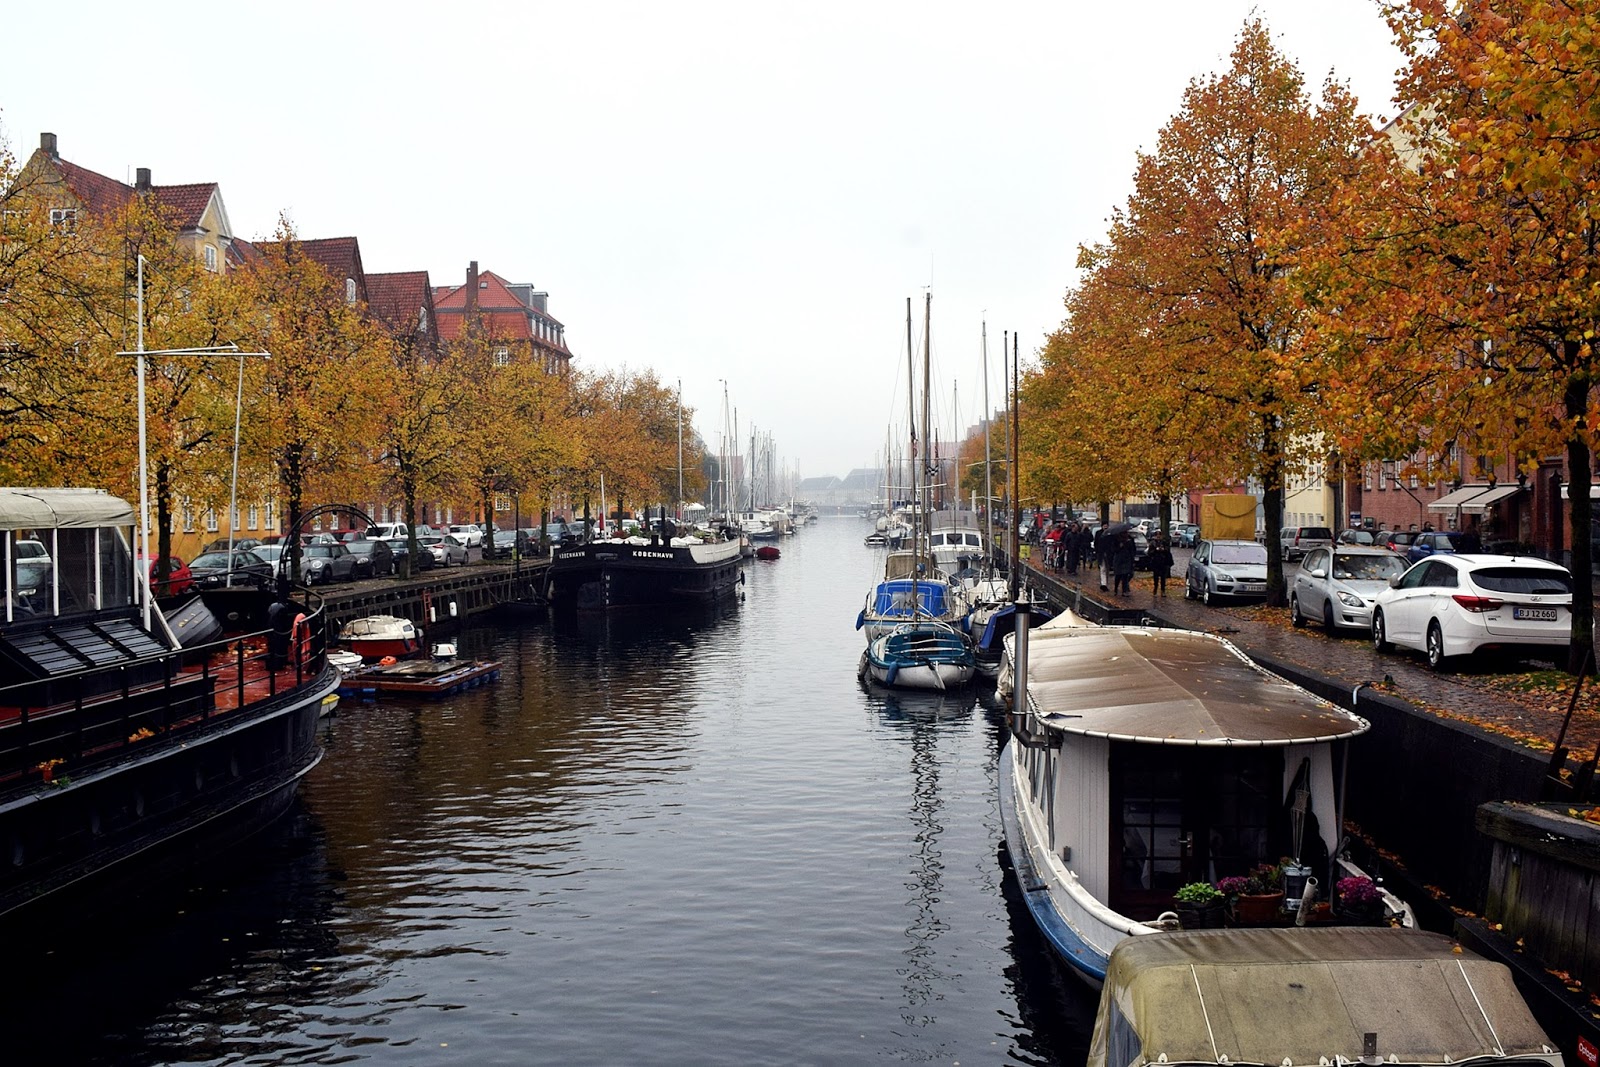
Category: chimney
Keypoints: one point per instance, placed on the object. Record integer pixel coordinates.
(142, 180)
(472, 288)
(47, 145)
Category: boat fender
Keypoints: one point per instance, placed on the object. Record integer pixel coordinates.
(741, 577)
(387, 661)
(861, 618)
(889, 676)
(302, 638)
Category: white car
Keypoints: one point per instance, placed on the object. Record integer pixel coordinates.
(1338, 586)
(1454, 604)
(468, 534)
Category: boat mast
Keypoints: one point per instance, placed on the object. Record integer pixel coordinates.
(911, 414)
(988, 491)
(1016, 481)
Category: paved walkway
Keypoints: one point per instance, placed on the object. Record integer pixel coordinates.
(1462, 694)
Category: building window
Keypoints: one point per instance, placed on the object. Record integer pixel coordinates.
(233, 524)
(64, 218)
(254, 516)
(188, 517)
(211, 519)
(502, 356)
(349, 290)
(422, 320)
(266, 521)
(1413, 479)
(211, 257)
(1366, 474)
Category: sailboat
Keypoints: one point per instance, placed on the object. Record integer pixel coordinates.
(916, 618)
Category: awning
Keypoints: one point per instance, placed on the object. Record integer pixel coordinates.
(1458, 498)
(1484, 501)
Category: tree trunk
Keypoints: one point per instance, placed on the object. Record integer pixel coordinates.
(163, 530)
(294, 487)
(409, 500)
(488, 525)
(1580, 513)
(1272, 509)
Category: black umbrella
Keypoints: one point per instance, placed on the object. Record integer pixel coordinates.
(1117, 529)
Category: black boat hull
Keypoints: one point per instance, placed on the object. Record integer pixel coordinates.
(72, 841)
(602, 576)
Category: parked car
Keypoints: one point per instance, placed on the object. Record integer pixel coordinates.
(1338, 586)
(179, 580)
(1454, 604)
(1357, 537)
(212, 569)
(220, 544)
(327, 563)
(506, 540)
(1185, 534)
(1226, 568)
(469, 534)
(399, 548)
(388, 531)
(1296, 541)
(446, 549)
(1430, 542)
(374, 559)
(1397, 541)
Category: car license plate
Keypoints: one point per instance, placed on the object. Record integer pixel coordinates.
(1534, 614)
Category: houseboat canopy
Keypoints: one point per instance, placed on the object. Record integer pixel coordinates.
(62, 509)
(1309, 996)
(1171, 687)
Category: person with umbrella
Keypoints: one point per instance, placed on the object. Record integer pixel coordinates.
(1122, 562)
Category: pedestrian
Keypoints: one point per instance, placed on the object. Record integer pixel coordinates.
(1122, 564)
(1074, 547)
(1160, 560)
(1102, 555)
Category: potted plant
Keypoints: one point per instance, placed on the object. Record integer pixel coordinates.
(1257, 897)
(1199, 905)
(1360, 900)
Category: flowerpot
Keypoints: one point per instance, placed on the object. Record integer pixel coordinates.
(1202, 917)
(1258, 909)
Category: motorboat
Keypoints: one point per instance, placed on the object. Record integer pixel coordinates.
(377, 636)
(1146, 761)
(994, 618)
(956, 541)
(920, 655)
(643, 572)
(1311, 997)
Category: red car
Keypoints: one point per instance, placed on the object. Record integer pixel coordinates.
(178, 582)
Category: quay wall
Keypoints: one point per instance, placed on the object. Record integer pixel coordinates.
(441, 597)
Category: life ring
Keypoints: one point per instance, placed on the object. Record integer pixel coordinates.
(300, 640)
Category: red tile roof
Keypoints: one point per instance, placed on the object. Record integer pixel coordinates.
(186, 202)
(396, 298)
(101, 195)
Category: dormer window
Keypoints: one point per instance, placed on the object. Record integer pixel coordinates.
(422, 320)
(349, 290)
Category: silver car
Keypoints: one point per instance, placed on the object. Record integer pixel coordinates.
(1338, 586)
(446, 550)
(1226, 569)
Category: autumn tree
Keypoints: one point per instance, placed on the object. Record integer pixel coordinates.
(1462, 272)
(1203, 312)
(316, 415)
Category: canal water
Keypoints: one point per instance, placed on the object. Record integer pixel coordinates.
(656, 840)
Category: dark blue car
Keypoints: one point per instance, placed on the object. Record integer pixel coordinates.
(1431, 541)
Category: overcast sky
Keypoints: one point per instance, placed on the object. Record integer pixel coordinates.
(723, 192)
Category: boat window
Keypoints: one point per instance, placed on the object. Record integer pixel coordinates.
(1188, 814)
(1122, 1040)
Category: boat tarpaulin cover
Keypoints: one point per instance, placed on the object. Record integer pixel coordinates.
(1307, 996)
(65, 509)
(894, 599)
(1171, 687)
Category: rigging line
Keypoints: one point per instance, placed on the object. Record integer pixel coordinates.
(1499, 1048)
(1205, 1014)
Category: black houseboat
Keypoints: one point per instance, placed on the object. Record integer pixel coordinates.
(641, 572)
(126, 735)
